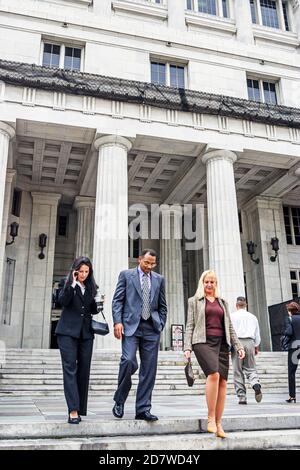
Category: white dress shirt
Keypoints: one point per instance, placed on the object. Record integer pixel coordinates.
(246, 325)
(82, 286)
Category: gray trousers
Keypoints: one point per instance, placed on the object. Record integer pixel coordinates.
(244, 367)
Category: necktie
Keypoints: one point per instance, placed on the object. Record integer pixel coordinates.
(146, 310)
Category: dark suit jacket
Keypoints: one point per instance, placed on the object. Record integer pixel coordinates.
(292, 329)
(127, 301)
(77, 312)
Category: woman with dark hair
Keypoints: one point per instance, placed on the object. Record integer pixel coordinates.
(75, 336)
(292, 330)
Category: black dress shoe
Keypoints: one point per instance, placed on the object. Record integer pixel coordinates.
(146, 416)
(74, 420)
(118, 410)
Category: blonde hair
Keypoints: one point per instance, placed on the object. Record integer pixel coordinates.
(200, 289)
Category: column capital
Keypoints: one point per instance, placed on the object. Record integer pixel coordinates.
(10, 174)
(111, 140)
(51, 199)
(7, 130)
(219, 155)
(84, 202)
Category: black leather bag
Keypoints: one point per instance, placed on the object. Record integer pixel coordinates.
(100, 328)
(188, 370)
(285, 342)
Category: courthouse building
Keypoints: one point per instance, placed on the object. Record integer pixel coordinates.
(110, 103)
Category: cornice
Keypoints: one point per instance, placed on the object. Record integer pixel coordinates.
(130, 91)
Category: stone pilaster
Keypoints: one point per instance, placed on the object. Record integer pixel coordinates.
(225, 255)
(110, 251)
(268, 282)
(243, 21)
(85, 207)
(171, 269)
(37, 311)
(102, 7)
(176, 14)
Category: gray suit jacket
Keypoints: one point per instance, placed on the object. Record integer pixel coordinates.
(196, 327)
(127, 301)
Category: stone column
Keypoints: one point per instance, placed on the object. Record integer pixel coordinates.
(225, 254)
(6, 133)
(37, 311)
(171, 268)
(110, 251)
(176, 14)
(10, 174)
(243, 21)
(85, 207)
(268, 282)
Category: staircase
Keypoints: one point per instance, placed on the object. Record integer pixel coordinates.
(37, 372)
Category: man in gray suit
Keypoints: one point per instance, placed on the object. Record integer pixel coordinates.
(139, 313)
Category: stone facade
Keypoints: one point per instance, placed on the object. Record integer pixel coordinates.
(73, 150)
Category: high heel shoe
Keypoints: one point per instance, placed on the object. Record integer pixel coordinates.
(211, 425)
(220, 431)
(291, 400)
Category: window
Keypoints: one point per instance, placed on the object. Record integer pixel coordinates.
(134, 245)
(16, 202)
(62, 56)
(62, 225)
(164, 73)
(271, 13)
(262, 91)
(295, 283)
(210, 7)
(292, 224)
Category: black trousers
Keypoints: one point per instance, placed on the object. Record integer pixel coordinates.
(76, 355)
(293, 359)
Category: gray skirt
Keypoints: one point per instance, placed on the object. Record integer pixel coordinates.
(213, 356)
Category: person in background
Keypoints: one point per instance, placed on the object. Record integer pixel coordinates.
(210, 334)
(75, 336)
(247, 330)
(292, 329)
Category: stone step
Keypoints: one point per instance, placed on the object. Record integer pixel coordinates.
(96, 427)
(268, 432)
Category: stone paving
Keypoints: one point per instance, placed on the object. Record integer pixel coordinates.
(42, 409)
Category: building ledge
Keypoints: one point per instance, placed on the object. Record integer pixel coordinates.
(130, 91)
(209, 21)
(278, 36)
(145, 9)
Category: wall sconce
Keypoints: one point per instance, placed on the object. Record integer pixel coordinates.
(42, 244)
(251, 251)
(14, 227)
(275, 247)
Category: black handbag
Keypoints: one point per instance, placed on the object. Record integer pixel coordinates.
(100, 328)
(285, 342)
(189, 373)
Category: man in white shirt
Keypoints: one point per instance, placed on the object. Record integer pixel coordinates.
(247, 330)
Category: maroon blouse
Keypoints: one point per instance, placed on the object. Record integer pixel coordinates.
(214, 316)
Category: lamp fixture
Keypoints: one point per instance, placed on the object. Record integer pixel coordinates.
(275, 247)
(251, 251)
(14, 227)
(42, 244)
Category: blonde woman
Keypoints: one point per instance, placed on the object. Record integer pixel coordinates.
(210, 334)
